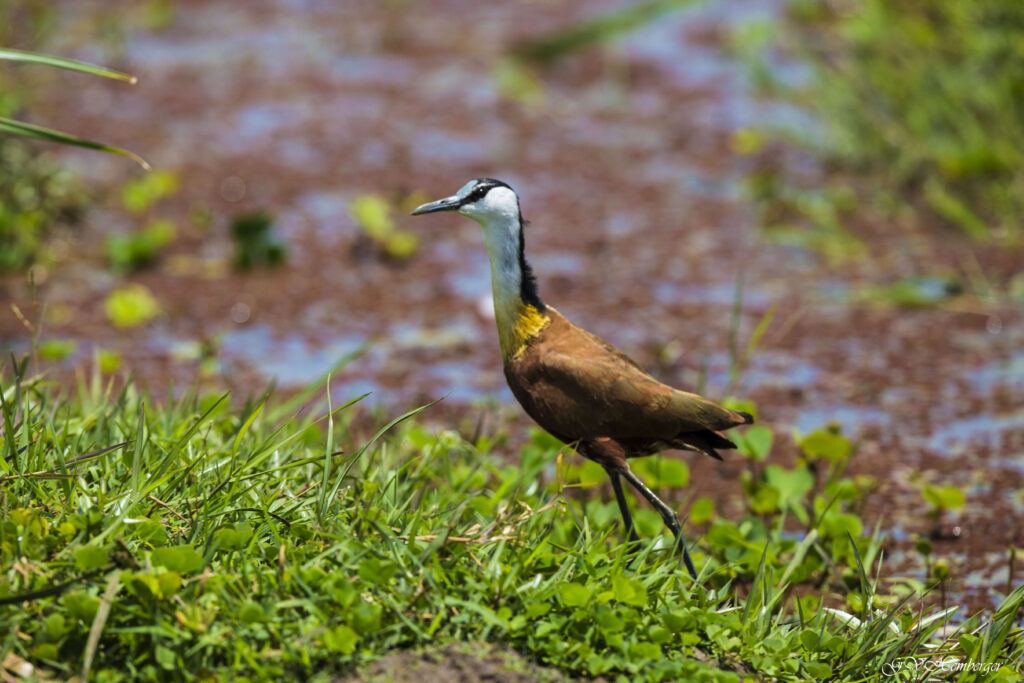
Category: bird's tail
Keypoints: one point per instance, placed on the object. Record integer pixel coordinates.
(706, 442)
(747, 418)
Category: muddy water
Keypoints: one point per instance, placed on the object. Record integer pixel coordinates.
(639, 231)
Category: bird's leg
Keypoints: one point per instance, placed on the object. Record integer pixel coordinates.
(627, 519)
(669, 517)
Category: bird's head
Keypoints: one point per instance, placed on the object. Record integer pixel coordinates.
(485, 200)
(495, 206)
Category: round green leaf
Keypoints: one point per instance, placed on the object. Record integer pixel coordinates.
(180, 558)
(574, 594)
(90, 557)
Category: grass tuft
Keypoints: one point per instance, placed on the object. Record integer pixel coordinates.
(188, 539)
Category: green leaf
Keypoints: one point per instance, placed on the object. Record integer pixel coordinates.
(131, 306)
(740, 404)
(673, 473)
(826, 445)
(658, 471)
(90, 557)
(169, 582)
(537, 609)
(373, 214)
(236, 538)
(839, 524)
(791, 484)
(819, 670)
(56, 625)
(629, 591)
(592, 474)
(766, 499)
(944, 497)
(166, 658)
(640, 650)
(13, 127)
(678, 621)
(109, 361)
(810, 639)
(149, 531)
(81, 606)
(256, 241)
(140, 194)
(659, 635)
(64, 63)
(968, 643)
(756, 442)
(57, 349)
(702, 510)
(139, 249)
(402, 245)
(179, 558)
(341, 639)
(251, 612)
(366, 617)
(516, 82)
(574, 594)
(377, 571)
(601, 28)
(142, 586)
(608, 620)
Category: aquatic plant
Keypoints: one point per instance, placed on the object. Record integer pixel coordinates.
(256, 242)
(136, 250)
(372, 214)
(131, 305)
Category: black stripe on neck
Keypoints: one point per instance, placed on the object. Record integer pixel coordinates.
(527, 282)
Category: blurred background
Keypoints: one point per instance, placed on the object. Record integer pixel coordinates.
(814, 206)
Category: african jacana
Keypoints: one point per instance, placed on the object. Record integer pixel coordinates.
(581, 389)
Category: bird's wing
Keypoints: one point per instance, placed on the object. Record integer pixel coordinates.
(593, 389)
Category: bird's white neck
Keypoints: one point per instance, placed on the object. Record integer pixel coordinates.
(518, 320)
(501, 235)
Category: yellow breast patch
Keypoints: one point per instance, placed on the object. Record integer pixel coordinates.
(517, 329)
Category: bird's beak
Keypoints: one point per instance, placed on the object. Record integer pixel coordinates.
(446, 204)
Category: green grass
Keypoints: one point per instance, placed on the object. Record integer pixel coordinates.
(920, 102)
(147, 539)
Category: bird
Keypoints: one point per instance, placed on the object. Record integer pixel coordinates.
(578, 387)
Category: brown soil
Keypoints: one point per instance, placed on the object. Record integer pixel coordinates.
(462, 663)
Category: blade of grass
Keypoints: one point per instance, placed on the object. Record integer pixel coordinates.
(293, 404)
(799, 555)
(10, 462)
(99, 621)
(13, 127)
(329, 447)
(96, 454)
(553, 47)
(762, 326)
(734, 332)
(248, 423)
(865, 585)
(13, 55)
(358, 454)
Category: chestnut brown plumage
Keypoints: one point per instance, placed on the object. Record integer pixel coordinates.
(578, 387)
